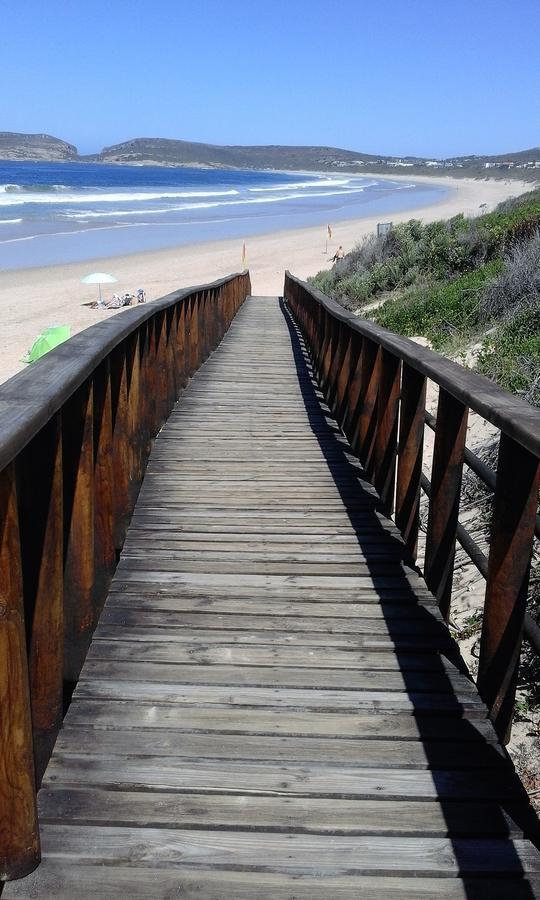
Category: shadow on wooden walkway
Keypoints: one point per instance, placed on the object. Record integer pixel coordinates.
(272, 706)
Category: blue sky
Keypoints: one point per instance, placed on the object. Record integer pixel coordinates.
(430, 78)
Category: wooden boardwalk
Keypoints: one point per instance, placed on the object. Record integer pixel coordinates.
(272, 706)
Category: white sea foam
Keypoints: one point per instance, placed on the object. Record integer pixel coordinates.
(13, 198)
(208, 205)
(301, 184)
(10, 221)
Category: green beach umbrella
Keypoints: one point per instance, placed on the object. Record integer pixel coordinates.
(46, 341)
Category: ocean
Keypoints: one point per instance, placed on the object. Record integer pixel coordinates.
(52, 213)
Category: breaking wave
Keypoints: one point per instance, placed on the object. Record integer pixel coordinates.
(33, 188)
(27, 194)
(184, 207)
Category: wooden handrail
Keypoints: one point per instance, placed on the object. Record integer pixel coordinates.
(375, 383)
(75, 434)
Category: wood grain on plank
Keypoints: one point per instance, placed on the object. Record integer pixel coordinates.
(94, 882)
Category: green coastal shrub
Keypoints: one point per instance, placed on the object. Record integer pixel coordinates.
(511, 355)
(513, 221)
(323, 281)
(412, 253)
(439, 311)
(518, 285)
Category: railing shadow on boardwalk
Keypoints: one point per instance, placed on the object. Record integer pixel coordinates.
(496, 858)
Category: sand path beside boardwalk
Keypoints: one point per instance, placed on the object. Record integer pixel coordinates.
(33, 299)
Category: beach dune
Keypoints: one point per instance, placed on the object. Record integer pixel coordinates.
(33, 299)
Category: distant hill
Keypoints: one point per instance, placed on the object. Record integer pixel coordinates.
(162, 151)
(43, 147)
(519, 157)
(168, 152)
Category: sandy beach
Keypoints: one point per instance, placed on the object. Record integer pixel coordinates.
(33, 299)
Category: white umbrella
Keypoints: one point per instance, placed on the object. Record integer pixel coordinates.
(99, 278)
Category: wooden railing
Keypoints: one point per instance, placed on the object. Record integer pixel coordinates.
(75, 434)
(375, 384)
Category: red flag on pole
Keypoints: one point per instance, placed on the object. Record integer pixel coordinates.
(329, 233)
(244, 255)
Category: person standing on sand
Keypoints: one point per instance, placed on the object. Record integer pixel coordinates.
(339, 254)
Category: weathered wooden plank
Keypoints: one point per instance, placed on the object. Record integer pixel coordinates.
(422, 624)
(281, 697)
(277, 814)
(94, 882)
(272, 638)
(292, 852)
(198, 589)
(278, 676)
(274, 580)
(268, 721)
(296, 608)
(257, 541)
(398, 668)
(356, 753)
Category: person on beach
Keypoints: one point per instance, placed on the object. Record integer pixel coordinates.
(339, 254)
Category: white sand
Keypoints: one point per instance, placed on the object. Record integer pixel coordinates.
(33, 299)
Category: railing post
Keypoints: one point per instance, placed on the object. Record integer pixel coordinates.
(512, 535)
(385, 448)
(446, 475)
(211, 323)
(78, 466)
(206, 328)
(200, 326)
(410, 451)
(173, 388)
(161, 373)
(104, 482)
(193, 334)
(328, 352)
(120, 456)
(344, 377)
(338, 355)
(39, 490)
(351, 404)
(148, 384)
(220, 313)
(135, 420)
(19, 845)
(183, 341)
(364, 435)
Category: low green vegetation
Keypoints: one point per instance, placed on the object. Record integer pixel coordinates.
(443, 312)
(457, 283)
(511, 355)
